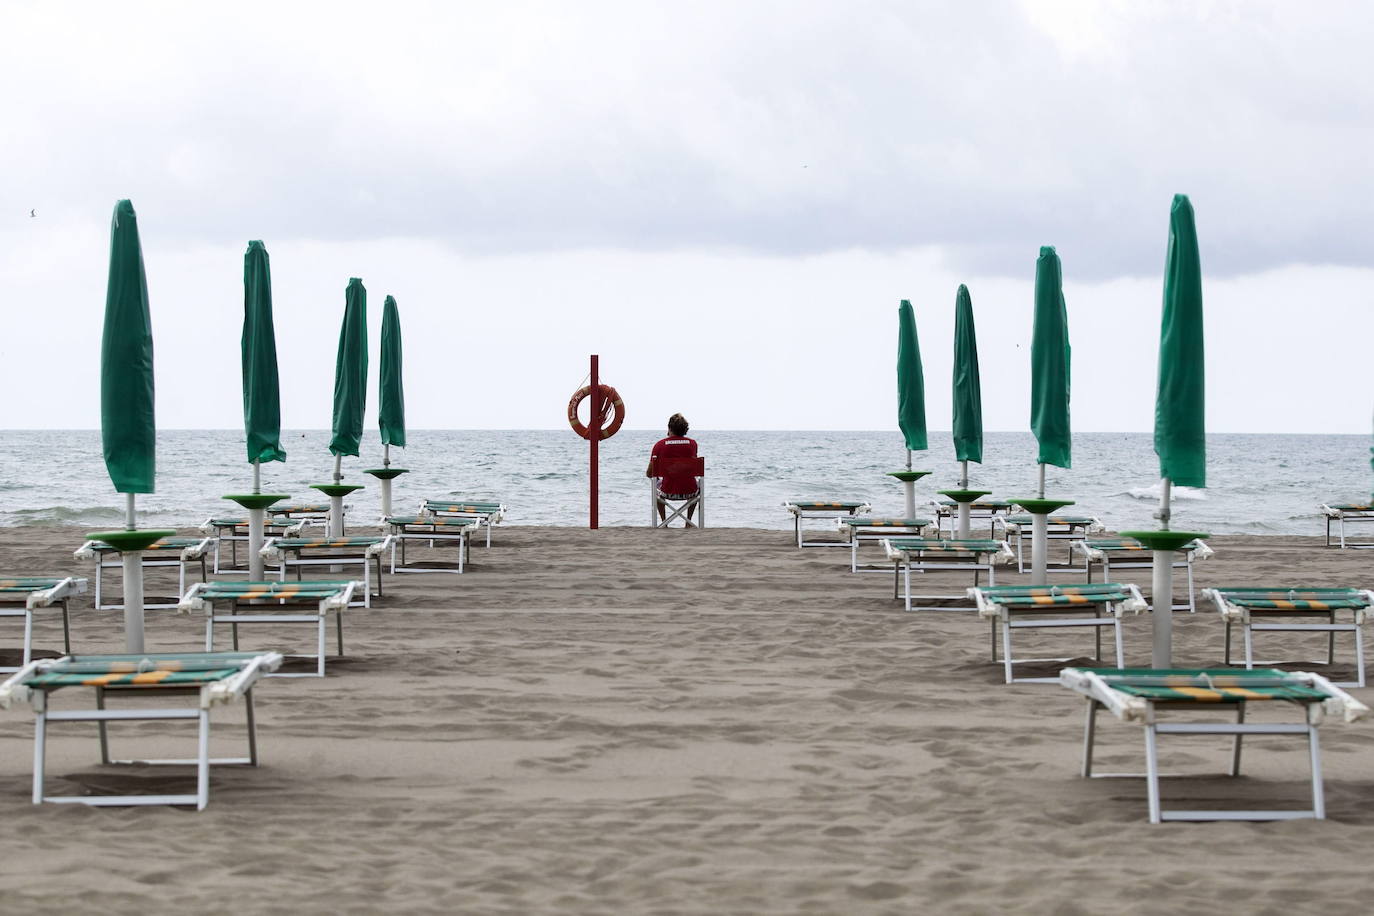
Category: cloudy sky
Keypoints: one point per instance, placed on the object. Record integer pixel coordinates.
(725, 200)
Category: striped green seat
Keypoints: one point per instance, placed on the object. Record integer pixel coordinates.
(866, 521)
(1296, 599)
(295, 543)
(981, 503)
(1035, 595)
(1123, 544)
(1053, 519)
(448, 505)
(825, 503)
(242, 522)
(27, 584)
(277, 591)
(1350, 507)
(162, 670)
(299, 508)
(1214, 685)
(439, 521)
(946, 545)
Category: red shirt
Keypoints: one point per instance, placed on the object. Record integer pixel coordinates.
(675, 447)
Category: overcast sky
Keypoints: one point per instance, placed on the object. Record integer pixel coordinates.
(725, 200)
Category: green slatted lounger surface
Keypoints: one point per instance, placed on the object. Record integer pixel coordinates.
(988, 509)
(823, 508)
(300, 553)
(860, 529)
(1058, 527)
(455, 529)
(489, 513)
(210, 678)
(1015, 607)
(1139, 695)
(236, 603)
(232, 529)
(20, 596)
(1128, 553)
(1259, 608)
(178, 552)
(314, 511)
(929, 555)
(1341, 513)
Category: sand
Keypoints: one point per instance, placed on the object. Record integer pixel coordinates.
(631, 721)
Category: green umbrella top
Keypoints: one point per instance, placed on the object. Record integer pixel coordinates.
(391, 414)
(911, 385)
(350, 373)
(968, 396)
(261, 393)
(1180, 437)
(128, 429)
(1050, 363)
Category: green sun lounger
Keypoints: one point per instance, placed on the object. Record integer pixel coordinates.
(832, 509)
(234, 528)
(1354, 513)
(1015, 529)
(180, 553)
(236, 603)
(1017, 607)
(1295, 610)
(938, 555)
(209, 678)
(302, 553)
(433, 529)
(986, 509)
(869, 529)
(21, 596)
(488, 513)
(1128, 553)
(1140, 695)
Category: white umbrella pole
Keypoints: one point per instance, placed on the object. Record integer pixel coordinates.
(964, 509)
(1040, 526)
(910, 487)
(133, 589)
(1162, 590)
(336, 527)
(386, 498)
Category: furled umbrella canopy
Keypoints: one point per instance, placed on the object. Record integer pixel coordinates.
(911, 386)
(392, 409)
(127, 425)
(968, 397)
(1050, 363)
(1180, 436)
(261, 391)
(350, 373)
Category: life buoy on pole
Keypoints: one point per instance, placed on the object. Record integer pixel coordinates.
(614, 405)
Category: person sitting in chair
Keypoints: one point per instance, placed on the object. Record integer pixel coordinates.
(675, 445)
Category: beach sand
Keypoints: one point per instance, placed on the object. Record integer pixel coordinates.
(712, 721)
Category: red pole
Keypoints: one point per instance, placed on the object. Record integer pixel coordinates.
(595, 426)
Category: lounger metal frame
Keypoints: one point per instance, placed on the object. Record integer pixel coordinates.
(848, 509)
(875, 531)
(287, 554)
(46, 592)
(1100, 695)
(1234, 610)
(1343, 514)
(978, 510)
(1002, 607)
(240, 684)
(1058, 528)
(975, 554)
(226, 609)
(431, 529)
(1141, 559)
(233, 530)
(184, 552)
(488, 513)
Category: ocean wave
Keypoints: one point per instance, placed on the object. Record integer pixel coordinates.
(1176, 493)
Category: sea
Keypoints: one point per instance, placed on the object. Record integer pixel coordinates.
(1256, 484)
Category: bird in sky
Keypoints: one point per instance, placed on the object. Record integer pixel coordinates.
(32, 214)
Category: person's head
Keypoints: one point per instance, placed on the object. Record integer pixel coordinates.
(677, 425)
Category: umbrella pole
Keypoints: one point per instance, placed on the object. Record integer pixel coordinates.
(336, 527)
(1040, 526)
(1162, 590)
(133, 588)
(910, 487)
(964, 508)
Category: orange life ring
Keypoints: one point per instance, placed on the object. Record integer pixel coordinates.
(611, 397)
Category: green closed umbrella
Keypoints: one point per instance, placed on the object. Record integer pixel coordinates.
(911, 400)
(968, 395)
(391, 413)
(350, 375)
(392, 409)
(1179, 413)
(128, 428)
(350, 399)
(968, 406)
(261, 395)
(261, 392)
(1050, 365)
